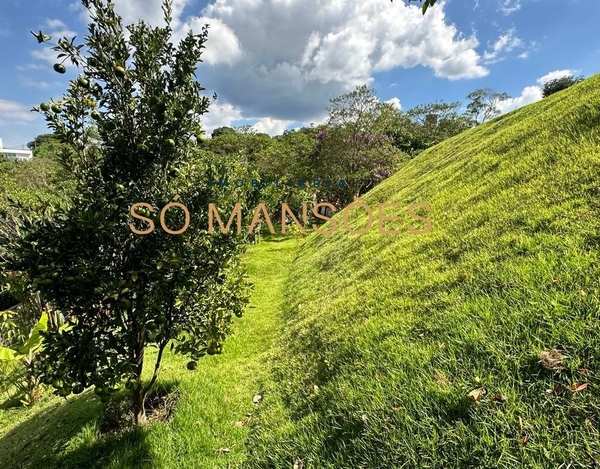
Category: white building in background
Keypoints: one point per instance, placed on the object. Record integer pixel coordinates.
(19, 155)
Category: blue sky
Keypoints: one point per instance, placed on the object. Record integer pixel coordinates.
(276, 64)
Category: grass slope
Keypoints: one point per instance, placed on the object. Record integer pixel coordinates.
(386, 335)
(210, 423)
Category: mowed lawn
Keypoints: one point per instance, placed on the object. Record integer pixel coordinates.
(474, 346)
(212, 417)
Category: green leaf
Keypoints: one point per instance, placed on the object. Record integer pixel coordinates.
(35, 339)
(8, 354)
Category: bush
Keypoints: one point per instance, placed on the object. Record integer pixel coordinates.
(559, 84)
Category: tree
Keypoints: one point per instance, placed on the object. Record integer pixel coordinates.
(289, 159)
(354, 146)
(484, 104)
(221, 131)
(243, 141)
(559, 84)
(121, 291)
(429, 124)
(40, 139)
(37, 185)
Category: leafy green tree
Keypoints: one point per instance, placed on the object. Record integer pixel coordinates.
(41, 139)
(483, 104)
(243, 141)
(354, 146)
(433, 123)
(121, 291)
(38, 185)
(289, 157)
(221, 131)
(559, 84)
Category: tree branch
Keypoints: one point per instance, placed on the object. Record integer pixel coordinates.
(161, 349)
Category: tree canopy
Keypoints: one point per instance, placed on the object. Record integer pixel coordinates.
(559, 84)
(130, 263)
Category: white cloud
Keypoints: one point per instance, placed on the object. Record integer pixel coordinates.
(148, 10)
(395, 102)
(554, 75)
(271, 126)
(44, 85)
(220, 115)
(509, 6)
(505, 43)
(29, 67)
(12, 112)
(280, 61)
(222, 47)
(45, 52)
(55, 24)
(224, 115)
(530, 94)
(286, 59)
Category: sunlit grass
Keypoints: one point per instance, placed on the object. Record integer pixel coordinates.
(365, 348)
(211, 421)
(386, 335)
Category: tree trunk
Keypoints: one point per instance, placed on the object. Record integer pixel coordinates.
(139, 412)
(138, 393)
(32, 387)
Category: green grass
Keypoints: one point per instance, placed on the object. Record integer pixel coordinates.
(206, 430)
(365, 348)
(387, 334)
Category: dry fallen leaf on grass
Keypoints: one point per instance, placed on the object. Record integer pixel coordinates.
(223, 450)
(476, 394)
(257, 398)
(298, 464)
(500, 399)
(524, 439)
(578, 387)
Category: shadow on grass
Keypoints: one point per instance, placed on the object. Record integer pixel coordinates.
(36, 441)
(128, 449)
(68, 436)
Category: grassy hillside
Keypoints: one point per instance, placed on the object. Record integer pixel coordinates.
(388, 334)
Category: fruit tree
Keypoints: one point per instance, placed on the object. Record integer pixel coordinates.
(122, 292)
